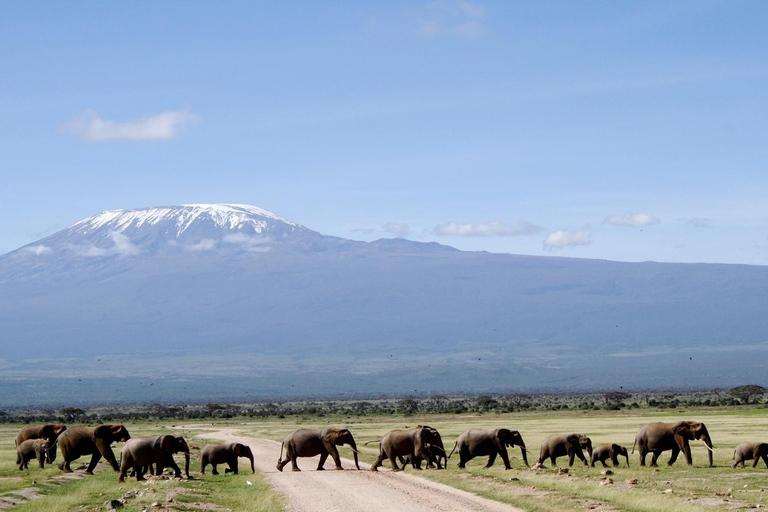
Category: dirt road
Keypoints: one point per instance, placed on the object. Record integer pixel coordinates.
(352, 490)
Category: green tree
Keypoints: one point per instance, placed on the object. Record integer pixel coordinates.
(747, 392)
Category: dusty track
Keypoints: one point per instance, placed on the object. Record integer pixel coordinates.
(352, 490)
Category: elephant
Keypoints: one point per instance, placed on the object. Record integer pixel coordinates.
(49, 432)
(402, 442)
(659, 437)
(609, 451)
(33, 449)
(77, 441)
(309, 443)
(436, 452)
(572, 445)
(140, 452)
(224, 453)
(751, 451)
(478, 442)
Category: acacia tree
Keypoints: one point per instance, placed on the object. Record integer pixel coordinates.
(747, 392)
(613, 399)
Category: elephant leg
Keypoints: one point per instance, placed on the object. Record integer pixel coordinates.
(232, 466)
(643, 453)
(606, 465)
(654, 458)
(688, 457)
(571, 458)
(294, 465)
(41, 460)
(673, 458)
(214, 471)
(378, 462)
(393, 461)
(170, 463)
(335, 456)
(462, 460)
(553, 459)
(505, 459)
(94, 460)
(140, 472)
(491, 459)
(323, 458)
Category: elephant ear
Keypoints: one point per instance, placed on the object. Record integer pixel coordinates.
(573, 439)
(615, 448)
(167, 443)
(683, 429)
(239, 449)
(103, 431)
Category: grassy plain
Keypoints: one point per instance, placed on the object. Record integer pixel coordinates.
(679, 487)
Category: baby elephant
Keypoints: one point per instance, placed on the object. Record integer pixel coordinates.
(221, 453)
(609, 451)
(751, 451)
(33, 449)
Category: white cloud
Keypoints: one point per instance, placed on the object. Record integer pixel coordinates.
(560, 239)
(455, 18)
(89, 127)
(397, 229)
(206, 244)
(38, 250)
(697, 222)
(486, 229)
(253, 243)
(635, 220)
(123, 245)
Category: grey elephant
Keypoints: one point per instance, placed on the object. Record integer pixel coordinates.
(478, 442)
(141, 452)
(310, 443)
(49, 431)
(402, 442)
(437, 455)
(609, 451)
(224, 453)
(751, 451)
(659, 437)
(33, 449)
(572, 445)
(78, 441)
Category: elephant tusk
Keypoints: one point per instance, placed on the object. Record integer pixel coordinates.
(710, 449)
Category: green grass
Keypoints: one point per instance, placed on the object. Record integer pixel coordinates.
(693, 488)
(92, 492)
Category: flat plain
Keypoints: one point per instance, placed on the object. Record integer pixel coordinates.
(678, 487)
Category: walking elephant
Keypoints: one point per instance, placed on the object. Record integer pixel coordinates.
(478, 442)
(33, 449)
(49, 431)
(78, 441)
(399, 443)
(751, 451)
(572, 445)
(140, 452)
(437, 456)
(659, 437)
(309, 443)
(224, 453)
(609, 451)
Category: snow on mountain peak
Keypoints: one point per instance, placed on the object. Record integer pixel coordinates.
(234, 217)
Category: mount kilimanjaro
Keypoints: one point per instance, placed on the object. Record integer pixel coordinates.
(207, 301)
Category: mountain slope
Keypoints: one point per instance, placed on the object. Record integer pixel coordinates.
(237, 291)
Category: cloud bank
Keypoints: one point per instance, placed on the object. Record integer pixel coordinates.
(89, 127)
(486, 229)
(560, 239)
(634, 220)
(455, 18)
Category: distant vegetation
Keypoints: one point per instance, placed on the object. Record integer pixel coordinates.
(406, 406)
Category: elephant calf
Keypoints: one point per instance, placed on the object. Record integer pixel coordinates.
(558, 445)
(414, 442)
(609, 451)
(224, 453)
(751, 451)
(33, 449)
(480, 442)
(142, 452)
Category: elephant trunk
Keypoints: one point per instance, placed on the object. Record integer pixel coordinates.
(354, 452)
(627, 456)
(708, 444)
(524, 452)
(186, 464)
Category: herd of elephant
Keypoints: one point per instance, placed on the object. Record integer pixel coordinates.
(406, 446)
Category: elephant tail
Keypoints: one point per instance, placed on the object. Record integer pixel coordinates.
(371, 442)
(454, 448)
(633, 446)
(734, 455)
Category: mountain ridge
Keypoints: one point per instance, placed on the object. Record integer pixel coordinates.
(303, 307)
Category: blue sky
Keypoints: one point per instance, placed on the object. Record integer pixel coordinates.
(629, 131)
